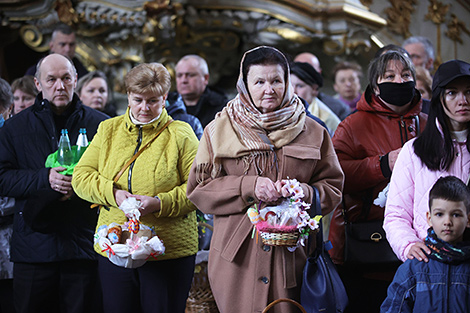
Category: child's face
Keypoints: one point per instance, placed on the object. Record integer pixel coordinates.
(448, 219)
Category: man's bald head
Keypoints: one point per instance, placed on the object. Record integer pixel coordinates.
(54, 56)
(56, 78)
(310, 58)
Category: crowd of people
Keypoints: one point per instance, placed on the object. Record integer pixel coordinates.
(396, 152)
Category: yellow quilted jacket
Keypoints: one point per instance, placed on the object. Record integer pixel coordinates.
(161, 170)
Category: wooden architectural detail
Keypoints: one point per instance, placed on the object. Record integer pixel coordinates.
(33, 38)
(454, 30)
(399, 16)
(114, 35)
(66, 12)
(437, 14)
(367, 3)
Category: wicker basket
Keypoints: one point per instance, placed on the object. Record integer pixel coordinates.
(200, 299)
(279, 239)
(284, 300)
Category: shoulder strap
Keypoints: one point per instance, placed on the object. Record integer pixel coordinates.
(119, 174)
(367, 201)
(319, 235)
(316, 208)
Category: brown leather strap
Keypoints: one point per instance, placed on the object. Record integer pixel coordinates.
(128, 163)
(284, 300)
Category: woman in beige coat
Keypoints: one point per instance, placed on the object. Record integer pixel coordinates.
(260, 138)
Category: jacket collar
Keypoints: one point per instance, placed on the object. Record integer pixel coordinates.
(175, 104)
(41, 104)
(439, 128)
(156, 125)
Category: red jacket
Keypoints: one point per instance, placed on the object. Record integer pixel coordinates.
(360, 141)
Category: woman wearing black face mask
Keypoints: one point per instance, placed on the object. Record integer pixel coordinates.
(367, 144)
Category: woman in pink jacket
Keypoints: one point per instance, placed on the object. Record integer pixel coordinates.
(441, 150)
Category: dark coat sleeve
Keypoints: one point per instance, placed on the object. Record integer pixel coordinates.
(15, 180)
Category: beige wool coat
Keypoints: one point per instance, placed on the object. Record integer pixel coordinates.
(244, 275)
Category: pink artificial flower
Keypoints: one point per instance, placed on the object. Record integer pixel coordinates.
(313, 224)
(298, 192)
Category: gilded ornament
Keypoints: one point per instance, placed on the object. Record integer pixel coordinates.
(66, 12)
(436, 14)
(399, 16)
(335, 46)
(290, 34)
(33, 38)
(437, 11)
(454, 29)
(366, 3)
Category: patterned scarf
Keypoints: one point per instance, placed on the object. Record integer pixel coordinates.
(445, 252)
(240, 130)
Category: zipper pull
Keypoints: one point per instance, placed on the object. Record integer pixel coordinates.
(402, 122)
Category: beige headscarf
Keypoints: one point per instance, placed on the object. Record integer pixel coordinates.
(240, 130)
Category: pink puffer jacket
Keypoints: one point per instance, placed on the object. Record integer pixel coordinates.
(407, 203)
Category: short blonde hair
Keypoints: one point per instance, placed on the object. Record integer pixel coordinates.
(148, 77)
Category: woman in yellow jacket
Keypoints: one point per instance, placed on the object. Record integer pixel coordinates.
(157, 178)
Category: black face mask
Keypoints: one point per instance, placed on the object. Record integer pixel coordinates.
(398, 94)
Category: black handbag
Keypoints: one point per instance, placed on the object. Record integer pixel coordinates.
(365, 241)
(322, 289)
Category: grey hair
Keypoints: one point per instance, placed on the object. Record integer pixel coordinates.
(62, 28)
(427, 44)
(378, 66)
(6, 96)
(202, 64)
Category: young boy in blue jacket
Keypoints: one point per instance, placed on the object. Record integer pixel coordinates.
(443, 283)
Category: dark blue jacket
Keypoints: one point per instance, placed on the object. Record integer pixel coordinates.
(25, 142)
(177, 110)
(209, 104)
(429, 287)
(341, 109)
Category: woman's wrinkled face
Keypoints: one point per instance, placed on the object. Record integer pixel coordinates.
(457, 103)
(95, 94)
(266, 85)
(145, 107)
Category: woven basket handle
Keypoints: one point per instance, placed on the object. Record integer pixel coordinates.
(284, 300)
